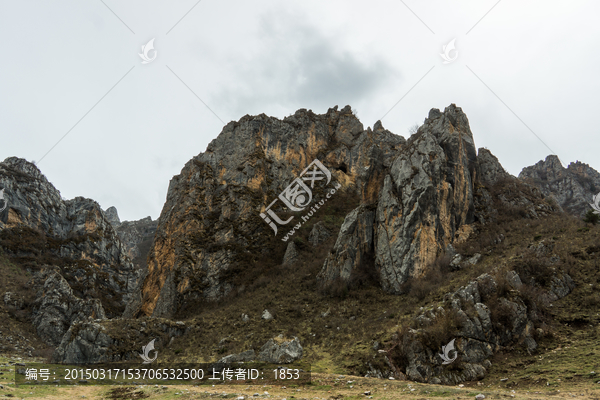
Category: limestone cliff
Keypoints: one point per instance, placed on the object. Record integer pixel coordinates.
(136, 236)
(434, 191)
(572, 187)
(38, 228)
(211, 221)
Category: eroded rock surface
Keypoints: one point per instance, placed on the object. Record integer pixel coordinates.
(211, 220)
(479, 335)
(572, 187)
(39, 228)
(56, 308)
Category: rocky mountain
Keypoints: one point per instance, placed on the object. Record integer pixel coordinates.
(136, 236)
(69, 248)
(573, 187)
(211, 224)
(428, 199)
(371, 250)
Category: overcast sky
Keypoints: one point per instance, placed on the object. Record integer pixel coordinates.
(539, 59)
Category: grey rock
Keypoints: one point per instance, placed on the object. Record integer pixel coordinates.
(450, 251)
(245, 318)
(211, 215)
(245, 356)
(137, 237)
(266, 315)
(318, 234)
(456, 261)
(474, 260)
(279, 350)
(423, 202)
(13, 300)
(113, 216)
(104, 341)
(477, 338)
(491, 170)
(68, 233)
(352, 246)
(291, 254)
(56, 307)
(572, 187)
(514, 280)
(84, 342)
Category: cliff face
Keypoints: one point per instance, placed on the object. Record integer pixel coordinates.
(436, 188)
(212, 219)
(136, 236)
(42, 232)
(425, 199)
(229, 203)
(572, 187)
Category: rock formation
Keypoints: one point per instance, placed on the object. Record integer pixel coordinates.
(56, 308)
(479, 333)
(434, 191)
(211, 220)
(74, 238)
(572, 187)
(136, 236)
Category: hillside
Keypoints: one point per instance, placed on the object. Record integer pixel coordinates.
(393, 248)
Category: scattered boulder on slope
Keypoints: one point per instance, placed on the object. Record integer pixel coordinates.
(279, 350)
(291, 254)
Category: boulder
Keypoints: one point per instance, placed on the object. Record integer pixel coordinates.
(245, 356)
(266, 315)
(291, 254)
(280, 351)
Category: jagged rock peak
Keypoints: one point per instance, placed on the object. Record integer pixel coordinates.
(113, 216)
(219, 195)
(491, 169)
(21, 165)
(422, 202)
(549, 169)
(572, 187)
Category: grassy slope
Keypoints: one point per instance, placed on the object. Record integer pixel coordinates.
(565, 358)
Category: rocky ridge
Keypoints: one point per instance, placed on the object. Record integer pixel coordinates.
(210, 224)
(434, 191)
(573, 187)
(69, 246)
(136, 236)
